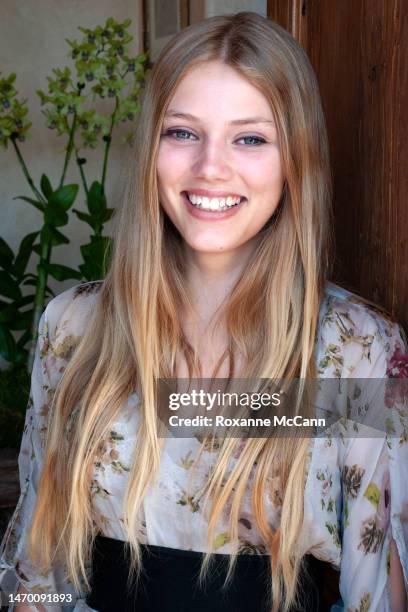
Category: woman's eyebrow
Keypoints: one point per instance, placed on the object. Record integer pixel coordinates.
(243, 121)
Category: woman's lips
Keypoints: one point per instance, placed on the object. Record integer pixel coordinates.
(209, 215)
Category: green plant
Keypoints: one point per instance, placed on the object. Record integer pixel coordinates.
(14, 315)
(14, 393)
(83, 105)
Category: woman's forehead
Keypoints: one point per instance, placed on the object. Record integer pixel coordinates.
(214, 89)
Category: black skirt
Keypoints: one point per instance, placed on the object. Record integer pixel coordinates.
(169, 582)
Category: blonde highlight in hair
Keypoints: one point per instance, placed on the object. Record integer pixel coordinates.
(134, 334)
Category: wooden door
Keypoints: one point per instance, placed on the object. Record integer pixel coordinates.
(357, 49)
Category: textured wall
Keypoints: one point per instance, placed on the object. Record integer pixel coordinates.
(218, 7)
(32, 42)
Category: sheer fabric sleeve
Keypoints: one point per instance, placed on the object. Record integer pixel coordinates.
(374, 474)
(15, 567)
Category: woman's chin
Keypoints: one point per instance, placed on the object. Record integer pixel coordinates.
(207, 247)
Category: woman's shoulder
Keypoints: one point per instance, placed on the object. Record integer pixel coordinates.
(357, 337)
(66, 316)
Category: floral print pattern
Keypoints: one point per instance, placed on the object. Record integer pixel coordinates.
(354, 498)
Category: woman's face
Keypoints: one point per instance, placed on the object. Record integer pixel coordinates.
(218, 147)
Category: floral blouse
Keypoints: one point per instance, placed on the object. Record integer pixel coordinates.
(356, 494)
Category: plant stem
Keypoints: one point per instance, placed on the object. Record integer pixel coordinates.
(26, 172)
(70, 146)
(39, 300)
(108, 143)
(82, 173)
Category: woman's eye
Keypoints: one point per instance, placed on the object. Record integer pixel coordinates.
(173, 132)
(258, 140)
(179, 134)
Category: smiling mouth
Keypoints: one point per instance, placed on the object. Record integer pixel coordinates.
(213, 204)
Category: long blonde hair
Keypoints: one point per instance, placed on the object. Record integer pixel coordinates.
(134, 333)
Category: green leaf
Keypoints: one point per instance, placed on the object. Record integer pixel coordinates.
(9, 287)
(22, 321)
(33, 283)
(96, 249)
(6, 255)
(27, 299)
(45, 185)
(30, 275)
(7, 344)
(56, 216)
(221, 540)
(58, 238)
(108, 214)
(49, 292)
(61, 273)
(96, 200)
(24, 253)
(95, 254)
(8, 314)
(35, 203)
(372, 493)
(21, 355)
(64, 196)
(26, 337)
(30, 281)
(83, 216)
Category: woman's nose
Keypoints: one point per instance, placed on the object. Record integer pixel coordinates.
(212, 161)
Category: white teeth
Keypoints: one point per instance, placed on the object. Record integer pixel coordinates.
(213, 203)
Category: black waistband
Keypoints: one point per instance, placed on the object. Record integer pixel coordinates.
(169, 582)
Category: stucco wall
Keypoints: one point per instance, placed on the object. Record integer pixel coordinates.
(223, 7)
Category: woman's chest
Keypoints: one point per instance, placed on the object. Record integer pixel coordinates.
(173, 512)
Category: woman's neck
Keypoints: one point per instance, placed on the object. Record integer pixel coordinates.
(211, 277)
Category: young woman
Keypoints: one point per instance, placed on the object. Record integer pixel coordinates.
(219, 269)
